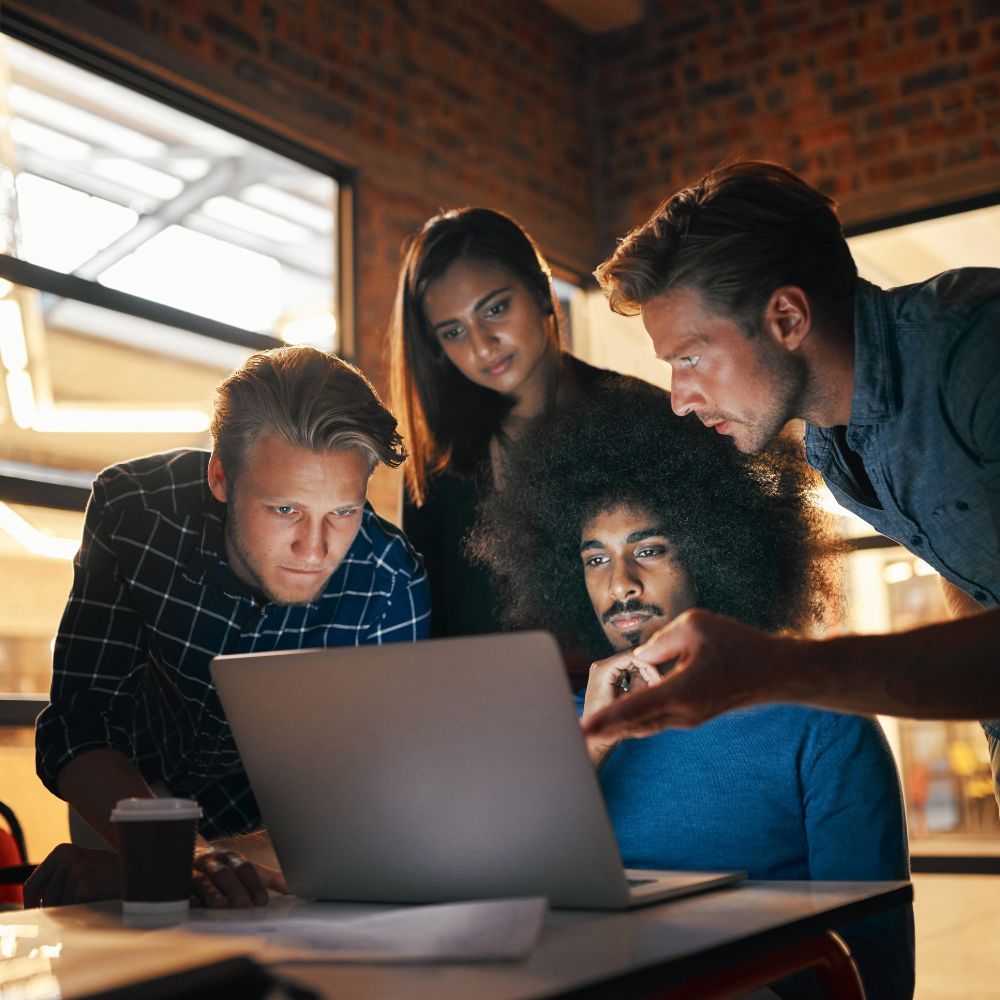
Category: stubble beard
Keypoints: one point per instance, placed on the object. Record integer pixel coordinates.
(250, 574)
(788, 387)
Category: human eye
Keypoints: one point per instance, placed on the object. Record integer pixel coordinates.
(449, 333)
(283, 509)
(592, 561)
(650, 551)
(497, 308)
(689, 360)
(343, 512)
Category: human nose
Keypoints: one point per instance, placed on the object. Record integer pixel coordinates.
(683, 395)
(310, 541)
(625, 582)
(484, 340)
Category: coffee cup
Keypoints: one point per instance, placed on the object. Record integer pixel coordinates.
(156, 850)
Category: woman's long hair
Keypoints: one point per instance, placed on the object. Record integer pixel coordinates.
(447, 420)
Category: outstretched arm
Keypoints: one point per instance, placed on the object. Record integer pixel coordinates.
(941, 671)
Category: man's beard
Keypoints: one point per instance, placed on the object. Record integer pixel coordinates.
(234, 538)
(632, 639)
(788, 379)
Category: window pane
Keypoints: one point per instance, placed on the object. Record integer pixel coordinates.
(117, 188)
(36, 550)
(85, 386)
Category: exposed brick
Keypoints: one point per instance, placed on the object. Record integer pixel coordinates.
(504, 102)
(852, 101)
(285, 55)
(968, 41)
(127, 10)
(934, 78)
(826, 81)
(231, 32)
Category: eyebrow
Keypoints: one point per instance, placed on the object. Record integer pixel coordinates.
(636, 536)
(478, 305)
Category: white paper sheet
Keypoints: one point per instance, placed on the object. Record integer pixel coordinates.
(487, 930)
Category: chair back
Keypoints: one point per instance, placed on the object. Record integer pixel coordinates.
(13, 855)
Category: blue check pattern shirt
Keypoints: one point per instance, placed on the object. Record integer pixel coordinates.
(154, 599)
(925, 424)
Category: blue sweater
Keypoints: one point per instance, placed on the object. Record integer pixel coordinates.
(783, 792)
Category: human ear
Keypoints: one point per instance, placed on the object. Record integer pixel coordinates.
(217, 479)
(788, 316)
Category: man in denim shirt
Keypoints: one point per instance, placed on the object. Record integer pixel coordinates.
(748, 290)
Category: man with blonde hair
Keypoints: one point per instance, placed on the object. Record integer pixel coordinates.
(265, 543)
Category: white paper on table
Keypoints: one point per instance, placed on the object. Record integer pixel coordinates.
(485, 930)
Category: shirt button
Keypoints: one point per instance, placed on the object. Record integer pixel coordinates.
(916, 540)
(961, 505)
(980, 596)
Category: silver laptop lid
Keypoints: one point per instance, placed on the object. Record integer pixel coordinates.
(424, 772)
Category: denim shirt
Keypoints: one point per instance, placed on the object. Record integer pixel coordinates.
(925, 423)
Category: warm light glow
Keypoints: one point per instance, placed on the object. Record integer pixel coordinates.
(9, 935)
(34, 540)
(923, 569)
(6, 287)
(66, 420)
(70, 420)
(897, 572)
(46, 951)
(13, 350)
(318, 331)
(21, 397)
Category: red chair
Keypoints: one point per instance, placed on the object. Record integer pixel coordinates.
(826, 955)
(13, 858)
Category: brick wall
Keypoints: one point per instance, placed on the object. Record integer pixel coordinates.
(886, 105)
(436, 103)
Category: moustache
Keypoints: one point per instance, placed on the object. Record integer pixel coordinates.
(630, 607)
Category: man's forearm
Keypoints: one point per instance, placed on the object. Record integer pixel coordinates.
(94, 781)
(949, 670)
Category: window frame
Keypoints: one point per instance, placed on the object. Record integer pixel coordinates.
(59, 488)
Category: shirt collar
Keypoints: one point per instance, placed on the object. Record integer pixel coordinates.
(875, 365)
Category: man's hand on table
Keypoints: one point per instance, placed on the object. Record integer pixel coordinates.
(224, 877)
(72, 874)
(221, 878)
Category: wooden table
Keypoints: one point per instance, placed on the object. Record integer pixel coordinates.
(581, 954)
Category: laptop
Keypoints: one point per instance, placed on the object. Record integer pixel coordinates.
(428, 772)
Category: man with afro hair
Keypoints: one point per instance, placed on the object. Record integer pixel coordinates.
(613, 517)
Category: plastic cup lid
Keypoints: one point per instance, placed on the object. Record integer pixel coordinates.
(138, 810)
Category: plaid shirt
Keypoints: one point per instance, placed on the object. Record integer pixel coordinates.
(154, 599)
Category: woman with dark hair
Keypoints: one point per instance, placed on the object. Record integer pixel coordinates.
(475, 356)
